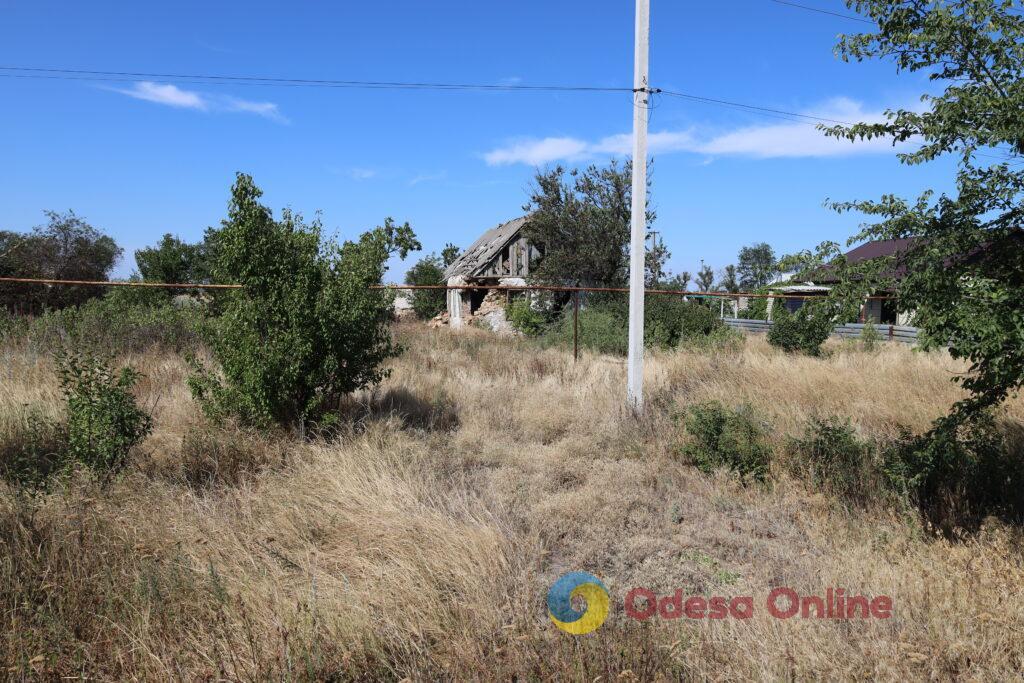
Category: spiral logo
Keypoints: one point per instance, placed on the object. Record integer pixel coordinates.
(578, 585)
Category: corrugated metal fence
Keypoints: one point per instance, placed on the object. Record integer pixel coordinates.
(899, 333)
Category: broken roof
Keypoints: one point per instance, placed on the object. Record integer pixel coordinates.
(479, 254)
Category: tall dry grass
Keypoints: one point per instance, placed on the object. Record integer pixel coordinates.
(421, 541)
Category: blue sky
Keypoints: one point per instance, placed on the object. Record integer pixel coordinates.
(141, 159)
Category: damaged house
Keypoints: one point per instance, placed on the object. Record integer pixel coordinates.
(500, 257)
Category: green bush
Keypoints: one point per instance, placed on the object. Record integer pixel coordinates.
(306, 328)
(521, 314)
(733, 439)
(698, 322)
(600, 331)
(427, 303)
(870, 337)
(834, 460)
(104, 423)
(958, 473)
(801, 332)
(121, 322)
(757, 307)
(668, 322)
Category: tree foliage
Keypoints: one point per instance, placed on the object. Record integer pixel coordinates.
(66, 248)
(728, 279)
(705, 279)
(580, 219)
(756, 266)
(429, 270)
(962, 274)
(306, 328)
(173, 260)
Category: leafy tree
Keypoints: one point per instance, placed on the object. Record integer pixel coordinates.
(449, 254)
(963, 271)
(705, 279)
(429, 270)
(728, 279)
(679, 281)
(306, 328)
(757, 266)
(173, 260)
(67, 248)
(581, 222)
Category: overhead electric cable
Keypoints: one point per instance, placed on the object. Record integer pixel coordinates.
(822, 11)
(219, 79)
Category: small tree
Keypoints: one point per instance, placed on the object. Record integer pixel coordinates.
(173, 260)
(582, 224)
(306, 328)
(104, 421)
(449, 254)
(757, 266)
(963, 265)
(728, 280)
(427, 271)
(705, 279)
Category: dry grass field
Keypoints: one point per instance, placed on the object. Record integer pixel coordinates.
(420, 542)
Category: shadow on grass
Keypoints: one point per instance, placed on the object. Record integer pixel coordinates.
(436, 414)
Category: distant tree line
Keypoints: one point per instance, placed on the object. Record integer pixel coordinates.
(66, 248)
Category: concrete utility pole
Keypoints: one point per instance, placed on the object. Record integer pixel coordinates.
(637, 249)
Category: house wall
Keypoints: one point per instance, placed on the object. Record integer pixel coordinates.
(872, 311)
(512, 261)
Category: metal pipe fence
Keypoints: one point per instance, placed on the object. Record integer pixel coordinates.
(895, 333)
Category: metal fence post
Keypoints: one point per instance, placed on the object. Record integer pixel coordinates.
(576, 325)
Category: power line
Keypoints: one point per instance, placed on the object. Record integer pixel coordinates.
(750, 107)
(822, 11)
(208, 79)
(219, 79)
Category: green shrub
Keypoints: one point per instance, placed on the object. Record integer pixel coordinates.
(733, 439)
(958, 473)
(668, 322)
(521, 314)
(306, 328)
(121, 322)
(834, 460)
(698, 322)
(870, 337)
(104, 423)
(757, 307)
(801, 332)
(427, 303)
(600, 331)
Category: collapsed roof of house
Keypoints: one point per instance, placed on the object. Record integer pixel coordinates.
(499, 252)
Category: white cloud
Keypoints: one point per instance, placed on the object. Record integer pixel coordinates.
(537, 152)
(173, 96)
(428, 178)
(361, 173)
(767, 141)
(798, 139)
(267, 110)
